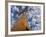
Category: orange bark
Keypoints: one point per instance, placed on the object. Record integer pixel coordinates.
(21, 24)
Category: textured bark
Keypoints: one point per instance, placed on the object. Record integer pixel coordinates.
(21, 24)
